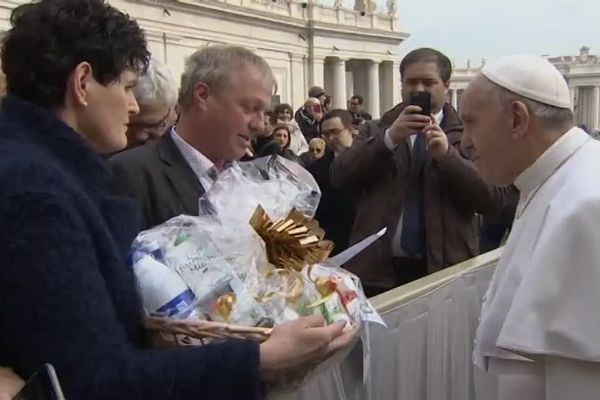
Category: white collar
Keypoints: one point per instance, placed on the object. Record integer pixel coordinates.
(200, 164)
(549, 162)
(530, 180)
(439, 117)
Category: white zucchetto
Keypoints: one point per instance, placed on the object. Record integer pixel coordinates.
(532, 77)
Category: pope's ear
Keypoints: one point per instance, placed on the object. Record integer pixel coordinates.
(521, 119)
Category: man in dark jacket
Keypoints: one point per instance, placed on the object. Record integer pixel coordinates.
(168, 176)
(359, 115)
(66, 296)
(337, 208)
(309, 117)
(411, 177)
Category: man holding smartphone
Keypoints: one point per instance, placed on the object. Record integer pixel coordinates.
(411, 177)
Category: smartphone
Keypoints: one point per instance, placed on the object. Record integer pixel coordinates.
(317, 108)
(43, 385)
(423, 100)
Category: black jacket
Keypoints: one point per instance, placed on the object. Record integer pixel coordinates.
(308, 126)
(337, 208)
(67, 297)
(159, 178)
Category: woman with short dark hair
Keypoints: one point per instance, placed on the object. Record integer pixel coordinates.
(66, 296)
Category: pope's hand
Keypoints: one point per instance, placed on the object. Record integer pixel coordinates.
(301, 344)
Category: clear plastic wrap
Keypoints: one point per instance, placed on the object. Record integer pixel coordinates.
(253, 257)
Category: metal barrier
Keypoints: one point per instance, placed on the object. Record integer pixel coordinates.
(425, 353)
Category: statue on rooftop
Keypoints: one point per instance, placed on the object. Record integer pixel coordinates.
(392, 7)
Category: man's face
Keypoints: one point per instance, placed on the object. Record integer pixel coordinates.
(323, 99)
(425, 77)
(355, 106)
(151, 123)
(234, 112)
(487, 133)
(284, 116)
(336, 135)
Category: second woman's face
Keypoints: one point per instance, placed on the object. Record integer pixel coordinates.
(282, 137)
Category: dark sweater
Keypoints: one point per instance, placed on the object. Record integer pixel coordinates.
(337, 208)
(66, 296)
(308, 125)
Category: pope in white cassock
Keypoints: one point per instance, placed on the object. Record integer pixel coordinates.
(539, 333)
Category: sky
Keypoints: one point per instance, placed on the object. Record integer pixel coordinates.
(476, 29)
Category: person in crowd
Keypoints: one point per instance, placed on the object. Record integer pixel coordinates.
(538, 332)
(317, 147)
(281, 138)
(284, 115)
(317, 92)
(216, 125)
(357, 111)
(309, 118)
(10, 384)
(284, 112)
(337, 208)
(156, 95)
(326, 105)
(411, 177)
(263, 136)
(67, 297)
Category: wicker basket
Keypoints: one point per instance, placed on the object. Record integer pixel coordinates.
(174, 332)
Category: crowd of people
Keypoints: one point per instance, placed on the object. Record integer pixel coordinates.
(98, 142)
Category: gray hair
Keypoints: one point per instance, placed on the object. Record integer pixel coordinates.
(214, 65)
(548, 115)
(156, 85)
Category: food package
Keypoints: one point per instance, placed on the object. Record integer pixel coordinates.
(254, 256)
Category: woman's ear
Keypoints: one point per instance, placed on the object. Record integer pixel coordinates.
(79, 84)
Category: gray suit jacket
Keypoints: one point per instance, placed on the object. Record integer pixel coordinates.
(159, 178)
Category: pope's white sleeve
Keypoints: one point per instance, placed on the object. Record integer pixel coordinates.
(517, 380)
(568, 379)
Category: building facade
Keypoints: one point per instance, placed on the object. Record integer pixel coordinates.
(582, 73)
(346, 50)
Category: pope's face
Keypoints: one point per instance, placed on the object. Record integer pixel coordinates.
(487, 137)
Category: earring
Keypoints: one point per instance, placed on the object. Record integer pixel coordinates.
(85, 104)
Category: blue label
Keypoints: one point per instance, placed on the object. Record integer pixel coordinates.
(180, 306)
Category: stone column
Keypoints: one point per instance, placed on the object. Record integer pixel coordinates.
(454, 98)
(595, 108)
(317, 72)
(397, 92)
(387, 85)
(298, 80)
(574, 97)
(373, 89)
(349, 83)
(338, 99)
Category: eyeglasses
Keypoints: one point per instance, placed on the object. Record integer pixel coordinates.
(354, 104)
(151, 127)
(333, 132)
